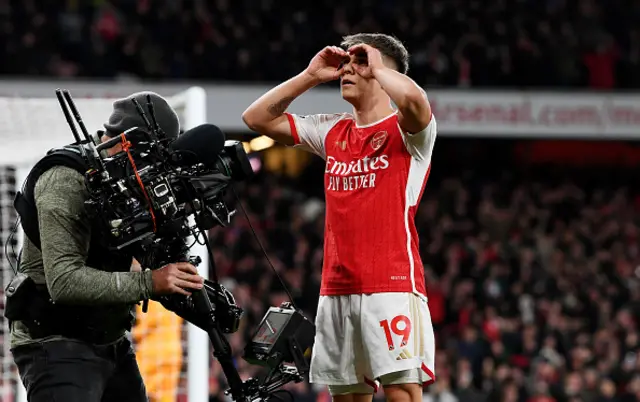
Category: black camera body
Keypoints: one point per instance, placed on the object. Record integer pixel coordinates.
(147, 193)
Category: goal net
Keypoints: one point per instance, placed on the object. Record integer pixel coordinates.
(171, 353)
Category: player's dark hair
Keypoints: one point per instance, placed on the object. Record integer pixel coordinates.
(388, 45)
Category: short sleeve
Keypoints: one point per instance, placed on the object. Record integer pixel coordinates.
(310, 131)
(420, 145)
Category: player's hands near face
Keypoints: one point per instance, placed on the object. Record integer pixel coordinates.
(367, 60)
(328, 64)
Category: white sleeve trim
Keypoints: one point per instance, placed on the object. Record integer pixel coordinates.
(420, 145)
(312, 131)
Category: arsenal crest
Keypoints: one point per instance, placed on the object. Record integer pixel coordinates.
(378, 140)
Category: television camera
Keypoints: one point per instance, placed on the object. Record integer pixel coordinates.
(153, 194)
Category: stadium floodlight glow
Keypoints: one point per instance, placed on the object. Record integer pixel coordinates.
(261, 143)
(247, 147)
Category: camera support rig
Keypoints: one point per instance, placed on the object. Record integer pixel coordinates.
(284, 335)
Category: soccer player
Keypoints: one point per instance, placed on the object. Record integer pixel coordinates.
(373, 322)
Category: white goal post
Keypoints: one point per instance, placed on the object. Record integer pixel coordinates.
(28, 128)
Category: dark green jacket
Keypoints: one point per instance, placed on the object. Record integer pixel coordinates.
(65, 233)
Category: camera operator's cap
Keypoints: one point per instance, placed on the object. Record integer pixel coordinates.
(125, 115)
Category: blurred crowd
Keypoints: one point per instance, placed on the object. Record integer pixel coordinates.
(533, 282)
(533, 279)
(464, 43)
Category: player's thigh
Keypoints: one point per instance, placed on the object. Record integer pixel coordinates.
(398, 334)
(403, 386)
(400, 386)
(334, 357)
(61, 371)
(351, 393)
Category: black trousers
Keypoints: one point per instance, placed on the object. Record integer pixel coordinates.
(74, 371)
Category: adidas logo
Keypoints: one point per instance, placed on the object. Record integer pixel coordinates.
(404, 355)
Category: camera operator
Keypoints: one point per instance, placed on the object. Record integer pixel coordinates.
(69, 341)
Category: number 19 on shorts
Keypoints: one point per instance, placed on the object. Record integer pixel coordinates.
(400, 326)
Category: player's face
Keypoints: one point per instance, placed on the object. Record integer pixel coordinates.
(352, 85)
(355, 87)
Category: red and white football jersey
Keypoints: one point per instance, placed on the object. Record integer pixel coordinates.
(374, 179)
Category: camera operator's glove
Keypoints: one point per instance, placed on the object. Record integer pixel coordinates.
(227, 313)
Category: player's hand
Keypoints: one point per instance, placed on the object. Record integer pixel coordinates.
(327, 65)
(368, 60)
(179, 277)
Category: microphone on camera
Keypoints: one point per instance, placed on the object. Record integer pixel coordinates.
(201, 144)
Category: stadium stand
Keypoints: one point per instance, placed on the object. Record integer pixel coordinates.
(541, 43)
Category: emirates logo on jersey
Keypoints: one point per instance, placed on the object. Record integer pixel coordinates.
(355, 174)
(378, 140)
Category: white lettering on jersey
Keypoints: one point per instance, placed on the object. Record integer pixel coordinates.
(354, 175)
(363, 165)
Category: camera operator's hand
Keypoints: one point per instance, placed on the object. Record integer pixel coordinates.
(179, 277)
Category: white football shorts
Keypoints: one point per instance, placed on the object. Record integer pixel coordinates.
(363, 341)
